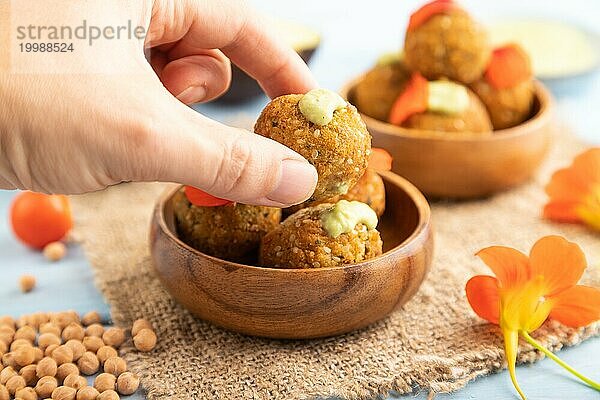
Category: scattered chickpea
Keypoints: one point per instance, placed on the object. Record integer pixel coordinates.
(145, 340)
(75, 381)
(45, 386)
(6, 334)
(27, 283)
(20, 343)
(46, 367)
(92, 343)
(25, 332)
(26, 393)
(4, 395)
(24, 355)
(8, 360)
(62, 355)
(115, 366)
(46, 339)
(73, 331)
(64, 393)
(55, 251)
(127, 383)
(49, 327)
(108, 395)
(93, 317)
(140, 324)
(104, 382)
(15, 383)
(7, 320)
(94, 330)
(87, 393)
(76, 347)
(28, 373)
(38, 354)
(65, 370)
(50, 349)
(6, 374)
(106, 352)
(114, 337)
(3, 348)
(88, 363)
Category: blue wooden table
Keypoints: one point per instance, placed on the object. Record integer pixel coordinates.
(358, 33)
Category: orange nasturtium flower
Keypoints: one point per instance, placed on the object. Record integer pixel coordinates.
(575, 191)
(529, 289)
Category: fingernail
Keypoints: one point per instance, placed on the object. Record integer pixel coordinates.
(297, 182)
(193, 94)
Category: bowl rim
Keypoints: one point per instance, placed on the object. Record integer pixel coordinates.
(422, 229)
(543, 95)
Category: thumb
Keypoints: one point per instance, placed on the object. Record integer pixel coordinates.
(230, 163)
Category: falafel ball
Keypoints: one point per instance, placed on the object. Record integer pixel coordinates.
(369, 190)
(376, 92)
(231, 232)
(509, 99)
(336, 141)
(474, 119)
(305, 239)
(446, 43)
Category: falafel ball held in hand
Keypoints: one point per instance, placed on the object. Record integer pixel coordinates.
(325, 129)
(117, 111)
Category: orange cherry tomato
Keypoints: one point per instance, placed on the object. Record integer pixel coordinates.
(412, 101)
(202, 199)
(38, 219)
(380, 159)
(427, 11)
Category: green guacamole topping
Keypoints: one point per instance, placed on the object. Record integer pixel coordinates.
(345, 215)
(318, 105)
(447, 97)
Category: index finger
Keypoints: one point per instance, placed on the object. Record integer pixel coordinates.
(243, 36)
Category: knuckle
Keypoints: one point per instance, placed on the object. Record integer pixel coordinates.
(236, 164)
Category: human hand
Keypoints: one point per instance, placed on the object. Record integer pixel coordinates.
(83, 131)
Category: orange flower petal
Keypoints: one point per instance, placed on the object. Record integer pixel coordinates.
(568, 185)
(559, 262)
(562, 211)
(483, 296)
(380, 159)
(510, 266)
(577, 306)
(587, 165)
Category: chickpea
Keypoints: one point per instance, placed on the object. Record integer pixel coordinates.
(64, 393)
(77, 348)
(145, 340)
(114, 337)
(115, 366)
(45, 386)
(93, 317)
(87, 393)
(88, 363)
(104, 382)
(75, 381)
(27, 283)
(92, 343)
(94, 330)
(62, 355)
(46, 367)
(127, 383)
(73, 331)
(46, 339)
(28, 373)
(15, 383)
(26, 393)
(140, 324)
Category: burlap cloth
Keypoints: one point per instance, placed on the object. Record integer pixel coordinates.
(435, 342)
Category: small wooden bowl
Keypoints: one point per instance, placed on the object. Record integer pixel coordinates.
(466, 165)
(300, 303)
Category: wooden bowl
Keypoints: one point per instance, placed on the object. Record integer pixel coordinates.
(466, 165)
(300, 303)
